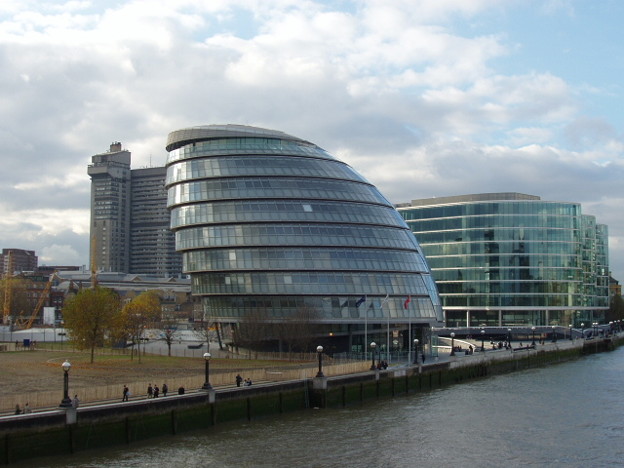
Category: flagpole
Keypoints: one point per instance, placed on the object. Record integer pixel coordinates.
(388, 326)
(409, 340)
(366, 334)
(388, 337)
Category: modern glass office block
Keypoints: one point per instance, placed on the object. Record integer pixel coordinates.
(513, 259)
(270, 224)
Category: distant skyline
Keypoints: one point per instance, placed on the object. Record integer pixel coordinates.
(425, 98)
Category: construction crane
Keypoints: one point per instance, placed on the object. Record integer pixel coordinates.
(94, 280)
(6, 316)
(44, 294)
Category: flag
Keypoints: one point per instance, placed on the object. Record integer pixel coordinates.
(360, 301)
(385, 300)
(407, 301)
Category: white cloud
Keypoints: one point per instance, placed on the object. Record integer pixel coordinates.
(411, 94)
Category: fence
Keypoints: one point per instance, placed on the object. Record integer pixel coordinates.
(138, 389)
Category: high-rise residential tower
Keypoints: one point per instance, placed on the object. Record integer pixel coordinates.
(129, 218)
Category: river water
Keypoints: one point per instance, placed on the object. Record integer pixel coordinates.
(569, 414)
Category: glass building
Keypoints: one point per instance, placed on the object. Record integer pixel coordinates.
(503, 259)
(273, 227)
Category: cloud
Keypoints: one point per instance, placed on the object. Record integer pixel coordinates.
(411, 94)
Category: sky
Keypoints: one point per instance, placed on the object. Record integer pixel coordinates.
(425, 98)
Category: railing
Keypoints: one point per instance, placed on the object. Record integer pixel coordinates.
(138, 389)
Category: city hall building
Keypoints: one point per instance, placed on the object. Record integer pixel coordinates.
(273, 229)
(504, 259)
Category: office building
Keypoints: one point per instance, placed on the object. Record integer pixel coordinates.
(129, 218)
(274, 229)
(17, 260)
(503, 259)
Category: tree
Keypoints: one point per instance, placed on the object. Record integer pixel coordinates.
(18, 301)
(169, 332)
(300, 330)
(616, 308)
(89, 316)
(143, 310)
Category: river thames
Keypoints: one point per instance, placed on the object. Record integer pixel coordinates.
(570, 414)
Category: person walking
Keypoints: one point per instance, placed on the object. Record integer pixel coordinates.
(150, 391)
(239, 380)
(165, 389)
(156, 391)
(126, 392)
(75, 402)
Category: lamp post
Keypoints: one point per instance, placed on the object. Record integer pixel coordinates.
(583, 330)
(533, 336)
(554, 331)
(482, 340)
(570, 328)
(452, 344)
(594, 325)
(66, 402)
(373, 345)
(207, 385)
(509, 336)
(319, 351)
(416, 351)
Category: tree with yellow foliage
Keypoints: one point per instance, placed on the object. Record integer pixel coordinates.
(142, 311)
(89, 317)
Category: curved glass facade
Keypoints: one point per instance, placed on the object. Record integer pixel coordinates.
(274, 224)
(512, 259)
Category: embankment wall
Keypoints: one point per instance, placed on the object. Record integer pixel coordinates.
(55, 433)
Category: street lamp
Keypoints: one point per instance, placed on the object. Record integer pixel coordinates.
(319, 351)
(373, 345)
(207, 385)
(482, 340)
(452, 344)
(554, 338)
(594, 325)
(509, 337)
(66, 402)
(416, 351)
(533, 336)
(583, 330)
(570, 327)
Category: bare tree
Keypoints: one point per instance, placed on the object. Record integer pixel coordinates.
(169, 333)
(300, 330)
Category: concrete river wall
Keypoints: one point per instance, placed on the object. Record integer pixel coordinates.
(62, 432)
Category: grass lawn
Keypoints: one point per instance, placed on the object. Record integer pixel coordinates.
(40, 370)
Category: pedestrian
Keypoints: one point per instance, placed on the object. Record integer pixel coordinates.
(27, 409)
(165, 389)
(75, 402)
(126, 393)
(156, 391)
(239, 380)
(150, 391)
(423, 358)
(18, 410)
(180, 390)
